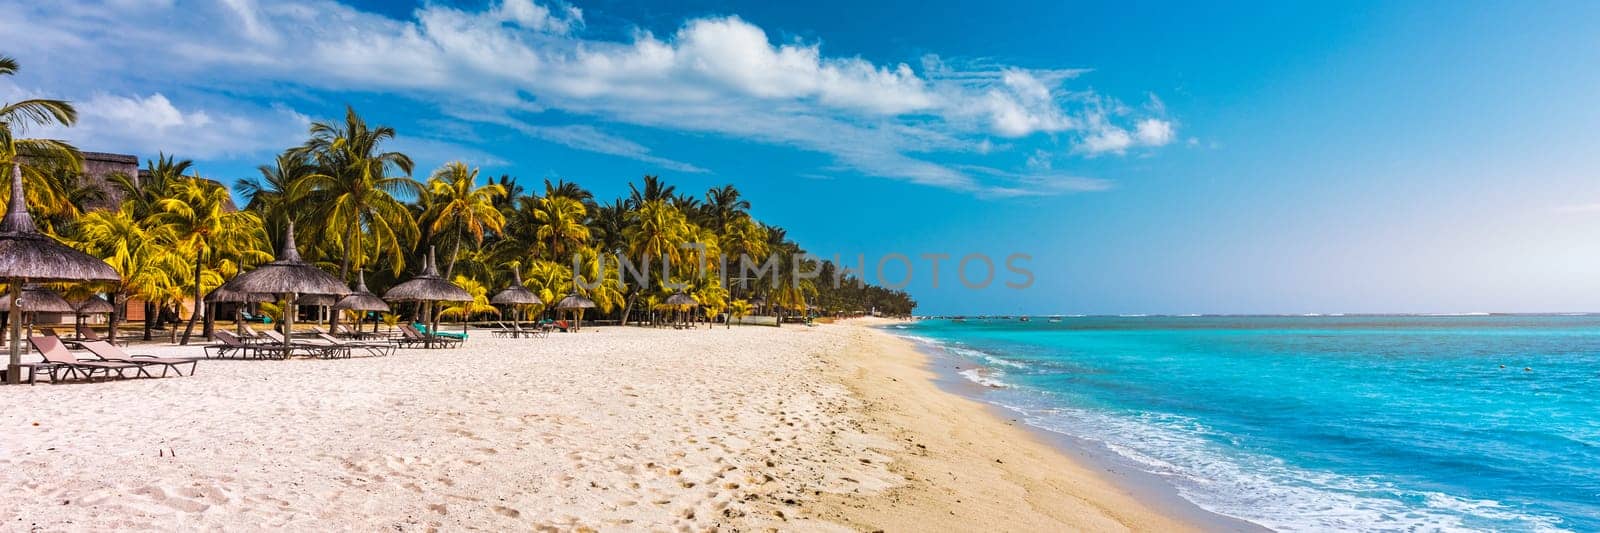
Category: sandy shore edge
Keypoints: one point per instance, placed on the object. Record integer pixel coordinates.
(965, 469)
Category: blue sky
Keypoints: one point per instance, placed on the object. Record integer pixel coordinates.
(1150, 157)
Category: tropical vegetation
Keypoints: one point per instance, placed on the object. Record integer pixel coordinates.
(356, 207)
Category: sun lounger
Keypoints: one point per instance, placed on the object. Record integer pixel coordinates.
(325, 351)
(106, 352)
(231, 345)
(372, 348)
(87, 333)
(56, 353)
(413, 336)
(423, 328)
(342, 331)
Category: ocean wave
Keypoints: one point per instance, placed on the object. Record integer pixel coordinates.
(988, 378)
(982, 356)
(1264, 489)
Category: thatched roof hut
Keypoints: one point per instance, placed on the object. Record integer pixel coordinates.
(94, 305)
(575, 302)
(516, 294)
(36, 299)
(289, 275)
(27, 255)
(362, 299)
(427, 287)
(682, 300)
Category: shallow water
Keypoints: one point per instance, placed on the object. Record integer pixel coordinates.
(1312, 423)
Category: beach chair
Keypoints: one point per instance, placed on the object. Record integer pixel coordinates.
(503, 331)
(56, 353)
(231, 345)
(87, 333)
(423, 328)
(414, 337)
(372, 348)
(106, 352)
(324, 351)
(342, 331)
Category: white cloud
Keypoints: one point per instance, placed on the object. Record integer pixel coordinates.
(147, 124)
(721, 75)
(1154, 132)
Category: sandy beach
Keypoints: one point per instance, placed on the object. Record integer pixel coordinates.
(835, 427)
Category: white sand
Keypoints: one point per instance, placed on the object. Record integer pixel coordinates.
(610, 429)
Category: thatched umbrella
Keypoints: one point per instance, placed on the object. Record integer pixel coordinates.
(516, 295)
(229, 293)
(35, 300)
(27, 255)
(362, 300)
(93, 305)
(316, 300)
(682, 301)
(578, 304)
(427, 288)
(289, 277)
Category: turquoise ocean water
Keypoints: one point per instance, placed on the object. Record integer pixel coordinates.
(1319, 423)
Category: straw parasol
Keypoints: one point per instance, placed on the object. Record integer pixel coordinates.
(290, 277)
(575, 302)
(362, 300)
(35, 300)
(27, 255)
(229, 293)
(516, 295)
(682, 301)
(427, 288)
(93, 305)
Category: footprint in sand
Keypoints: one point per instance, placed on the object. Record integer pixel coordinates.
(507, 512)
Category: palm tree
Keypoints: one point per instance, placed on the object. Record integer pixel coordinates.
(479, 304)
(136, 253)
(724, 205)
(195, 223)
(561, 224)
(608, 225)
(457, 203)
(353, 192)
(40, 160)
(569, 190)
(654, 189)
(655, 229)
(269, 194)
(513, 189)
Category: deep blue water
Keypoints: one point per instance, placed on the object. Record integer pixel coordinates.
(1316, 423)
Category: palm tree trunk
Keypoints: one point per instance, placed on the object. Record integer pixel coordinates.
(149, 316)
(450, 270)
(112, 319)
(344, 275)
(199, 304)
(627, 310)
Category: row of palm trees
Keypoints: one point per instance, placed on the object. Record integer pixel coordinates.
(357, 208)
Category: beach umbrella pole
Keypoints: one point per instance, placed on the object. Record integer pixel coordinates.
(288, 320)
(14, 367)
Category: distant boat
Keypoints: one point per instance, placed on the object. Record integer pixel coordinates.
(1024, 319)
(1055, 319)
